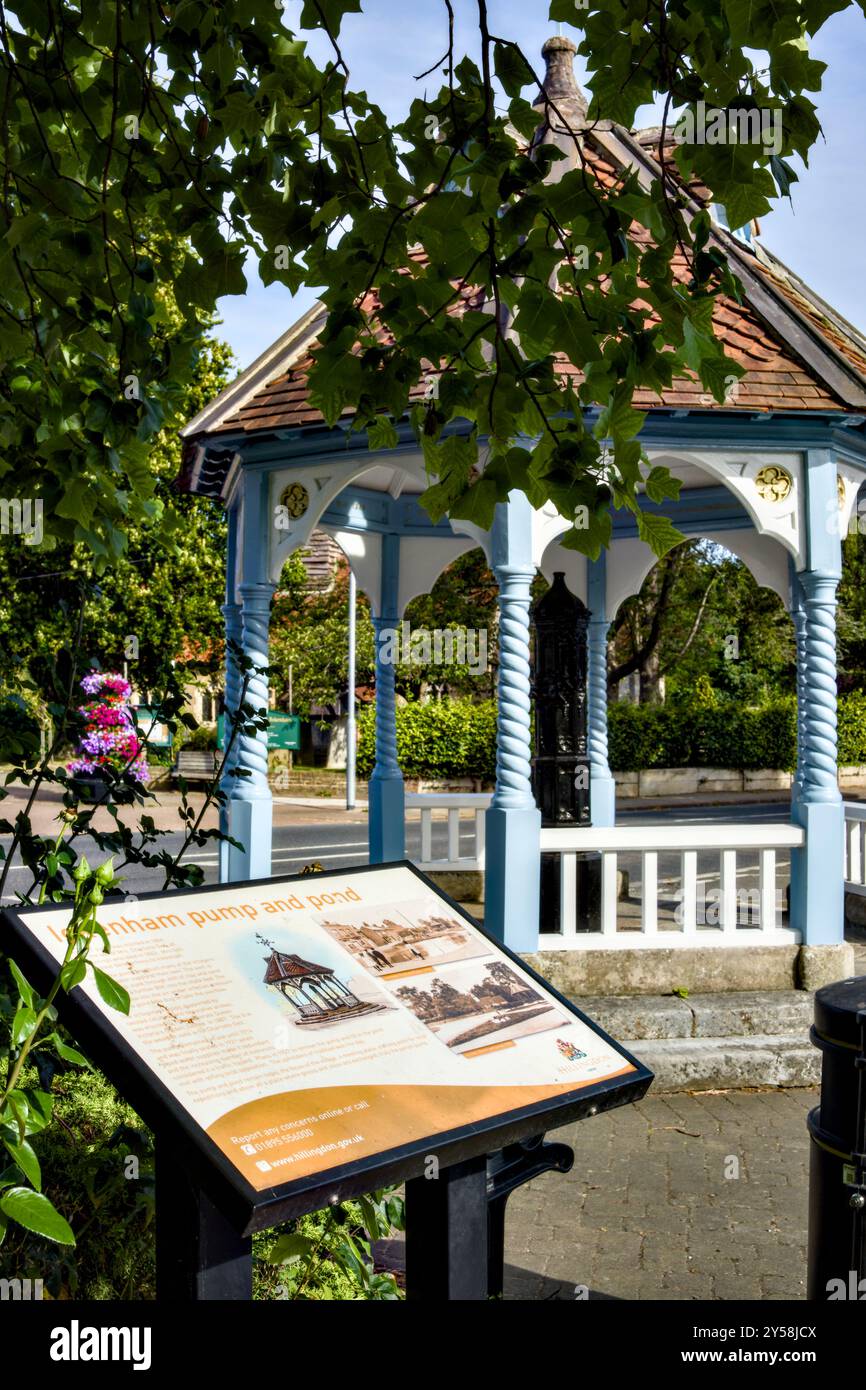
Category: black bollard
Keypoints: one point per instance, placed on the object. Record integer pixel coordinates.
(837, 1169)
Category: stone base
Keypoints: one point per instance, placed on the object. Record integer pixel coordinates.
(464, 885)
(700, 970)
(715, 1041)
(823, 965)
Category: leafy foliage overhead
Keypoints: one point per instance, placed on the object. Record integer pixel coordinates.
(148, 148)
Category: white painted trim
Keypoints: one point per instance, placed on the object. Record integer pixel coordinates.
(676, 837)
(458, 799)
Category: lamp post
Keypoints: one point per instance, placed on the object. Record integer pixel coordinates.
(350, 715)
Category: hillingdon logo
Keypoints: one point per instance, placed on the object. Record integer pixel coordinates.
(77, 1343)
(742, 125)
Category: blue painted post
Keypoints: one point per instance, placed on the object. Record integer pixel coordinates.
(233, 629)
(251, 806)
(385, 793)
(601, 781)
(798, 617)
(817, 885)
(513, 821)
(231, 612)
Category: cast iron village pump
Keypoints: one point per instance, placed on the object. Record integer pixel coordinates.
(560, 767)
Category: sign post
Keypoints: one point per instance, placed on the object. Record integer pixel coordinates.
(296, 1042)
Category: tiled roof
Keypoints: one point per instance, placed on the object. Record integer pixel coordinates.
(282, 966)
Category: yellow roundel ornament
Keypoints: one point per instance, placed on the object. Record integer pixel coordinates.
(295, 499)
(773, 483)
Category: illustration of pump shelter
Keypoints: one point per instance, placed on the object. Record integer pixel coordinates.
(772, 474)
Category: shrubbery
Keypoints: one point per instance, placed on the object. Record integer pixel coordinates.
(852, 728)
(446, 738)
(724, 735)
(457, 738)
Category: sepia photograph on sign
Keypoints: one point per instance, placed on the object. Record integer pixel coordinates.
(477, 1006)
(421, 931)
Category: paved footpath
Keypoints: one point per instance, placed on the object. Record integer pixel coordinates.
(647, 1211)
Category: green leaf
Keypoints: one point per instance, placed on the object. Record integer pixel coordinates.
(34, 1212)
(381, 433)
(73, 972)
(23, 1024)
(658, 533)
(619, 420)
(69, 1054)
(24, 988)
(111, 992)
(660, 483)
(27, 1161)
(327, 14)
(511, 68)
(41, 1105)
(288, 1249)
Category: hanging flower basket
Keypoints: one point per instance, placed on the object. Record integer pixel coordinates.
(110, 740)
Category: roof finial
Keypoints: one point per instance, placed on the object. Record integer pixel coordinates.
(560, 83)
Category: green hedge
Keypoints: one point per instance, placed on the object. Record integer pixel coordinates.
(457, 738)
(446, 738)
(726, 735)
(852, 728)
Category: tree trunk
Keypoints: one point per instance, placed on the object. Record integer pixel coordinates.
(651, 681)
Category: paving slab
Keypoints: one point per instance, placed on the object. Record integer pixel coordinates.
(709, 1201)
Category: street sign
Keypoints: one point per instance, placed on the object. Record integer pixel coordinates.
(284, 730)
(297, 1041)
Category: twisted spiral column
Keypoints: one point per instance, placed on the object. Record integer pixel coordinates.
(513, 743)
(597, 741)
(234, 632)
(798, 614)
(819, 762)
(253, 748)
(386, 765)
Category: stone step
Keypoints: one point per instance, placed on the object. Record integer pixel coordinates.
(729, 1064)
(714, 1041)
(737, 1014)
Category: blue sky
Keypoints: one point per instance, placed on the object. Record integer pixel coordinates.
(820, 237)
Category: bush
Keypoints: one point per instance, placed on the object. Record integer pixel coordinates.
(19, 730)
(852, 728)
(724, 735)
(446, 738)
(203, 739)
(457, 738)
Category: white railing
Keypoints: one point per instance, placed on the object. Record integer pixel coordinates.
(465, 835)
(855, 847)
(692, 924)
